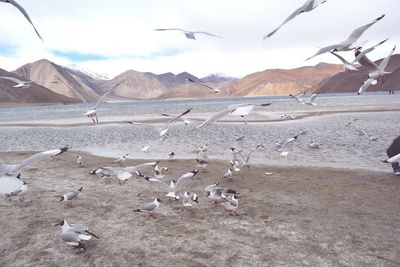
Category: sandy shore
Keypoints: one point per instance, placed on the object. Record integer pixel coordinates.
(295, 216)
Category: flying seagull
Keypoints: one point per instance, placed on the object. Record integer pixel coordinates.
(189, 34)
(22, 10)
(379, 72)
(15, 169)
(20, 187)
(91, 113)
(303, 101)
(306, 7)
(360, 54)
(214, 90)
(19, 83)
(350, 42)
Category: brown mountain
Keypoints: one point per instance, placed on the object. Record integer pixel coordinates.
(283, 81)
(47, 72)
(34, 94)
(352, 80)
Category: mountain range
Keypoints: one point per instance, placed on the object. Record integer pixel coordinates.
(321, 78)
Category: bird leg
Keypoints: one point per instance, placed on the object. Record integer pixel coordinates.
(152, 215)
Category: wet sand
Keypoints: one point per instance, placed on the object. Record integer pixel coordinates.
(295, 216)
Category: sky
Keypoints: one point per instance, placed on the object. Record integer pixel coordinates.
(112, 36)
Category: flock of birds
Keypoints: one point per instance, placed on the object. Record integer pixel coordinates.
(11, 183)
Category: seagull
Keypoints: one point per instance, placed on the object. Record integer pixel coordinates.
(188, 198)
(79, 161)
(214, 90)
(189, 34)
(350, 42)
(301, 100)
(246, 157)
(201, 151)
(73, 234)
(202, 163)
(228, 174)
(281, 145)
(217, 193)
(314, 144)
(22, 10)
(288, 116)
(15, 169)
(124, 173)
(373, 138)
(145, 149)
(360, 54)
(239, 137)
(158, 174)
(284, 154)
(306, 7)
(68, 197)
(19, 83)
(377, 73)
(174, 186)
(20, 191)
(91, 113)
(120, 161)
(171, 155)
(174, 118)
(231, 203)
(150, 207)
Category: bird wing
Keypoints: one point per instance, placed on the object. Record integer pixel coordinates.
(214, 118)
(359, 31)
(170, 29)
(142, 166)
(368, 50)
(160, 182)
(346, 64)
(71, 195)
(11, 79)
(177, 117)
(367, 63)
(36, 158)
(202, 84)
(384, 62)
(9, 184)
(75, 91)
(366, 84)
(184, 179)
(312, 98)
(210, 34)
(22, 10)
(292, 16)
(243, 110)
(106, 93)
(148, 207)
(324, 50)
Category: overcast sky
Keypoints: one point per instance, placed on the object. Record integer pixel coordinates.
(111, 36)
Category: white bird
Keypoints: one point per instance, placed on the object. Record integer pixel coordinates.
(73, 234)
(373, 138)
(246, 157)
(120, 161)
(306, 7)
(239, 137)
(232, 204)
(202, 163)
(91, 113)
(189, 34)
(15, 169)
(189, 198)
(22, 10)
(346, 64)
(159, 174)
(145, 149)
(174, 118)
(20, 191)
(164, 134)
(228, 174)
(305, 101)
(68, 197)
(214, 90)
(19, 83)
(284, 154)
(150, 207)
(217, 193)
(288, 116)
(124, 173)
(350, 42)
(173, 187)
(281, 145)
(314, 144)
(79, 161)
(379, 72)
(360, 54)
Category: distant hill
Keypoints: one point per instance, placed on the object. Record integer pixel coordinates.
(34, 94)
(352, 80)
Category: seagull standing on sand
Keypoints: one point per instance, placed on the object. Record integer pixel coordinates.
(68, 197)
(73, 234)
(189, 34)
(171, 155)
(189, 198)
(150, 207)
(350, 42)
(228, 174)
(217, 193)
(306, 7)
(232, 204)
(22, 10)
(91, 113)
(79, 161)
